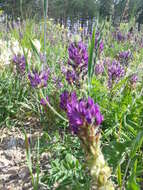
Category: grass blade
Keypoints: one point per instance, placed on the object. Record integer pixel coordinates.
(90, 61)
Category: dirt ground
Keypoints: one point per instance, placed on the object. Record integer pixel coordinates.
(14, 172)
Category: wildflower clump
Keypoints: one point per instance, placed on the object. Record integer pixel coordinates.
(20, 62)
(119, 36)
(133, 80)
(78, 62)
(43, 102)
(124, 57)
(10, 49)
(84, 118)
(99, 68)
(38, 79)
(115, 72)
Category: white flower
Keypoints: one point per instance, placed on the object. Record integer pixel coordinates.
(15, 47)
(37, 44)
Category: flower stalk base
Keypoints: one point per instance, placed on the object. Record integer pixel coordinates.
(99, 169)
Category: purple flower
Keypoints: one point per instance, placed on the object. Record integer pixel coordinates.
(38, 79)
(80, 113)
(115, 72)
(99, 68)
(67, 98)
(43, 102)
(64, 100)
(101, 46)
(78, 60)
(106, 61)
(119, 36)
(78, 54)
(57, 82)
(42, 57)
(63, 69)
(20, 63)
(71, 77)
(124, 57)
(133, 79)
(129, 35)
(125, 54)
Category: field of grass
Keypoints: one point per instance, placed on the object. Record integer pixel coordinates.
(85, 93)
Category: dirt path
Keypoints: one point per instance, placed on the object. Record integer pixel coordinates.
(14, 173)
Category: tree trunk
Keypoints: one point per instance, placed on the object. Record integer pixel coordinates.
(139, 26)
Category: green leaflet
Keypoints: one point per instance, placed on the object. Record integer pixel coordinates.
(35, 50)
(136, 144)
(90, 61)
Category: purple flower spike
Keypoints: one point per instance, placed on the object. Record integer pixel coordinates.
(78, 54)
(71, 77)
(120, 37)
(101, 46)
(20, 63)
(34, 79)
(78, 61)
(124, 57)
(44, 75)
(133, 79)
(115, 72)
(43, 102)
(80, 113)
(99, 117)
(99, 69)
(64, 100)
(38, 79)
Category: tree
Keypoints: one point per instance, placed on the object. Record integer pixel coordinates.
(21, 8)
(139, 13)
(71, 10)
(106, 8)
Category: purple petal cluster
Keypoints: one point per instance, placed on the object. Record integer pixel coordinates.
(125, 54)
(20, 63)
(99, 68)
(107, 61)
(119, 36)
(124, 57)
(78, 60)
(63, 69)
(71, 76)
(42, 57)
(57, 82)
(133, 79)
(80, 113)
(66, 98)
(129, 35)
(101, 46)
(43, 102)
(78, 54)
(38, 79)
(115, 72)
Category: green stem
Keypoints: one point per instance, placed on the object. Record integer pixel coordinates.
(51, 107)
(45, 26)
(127, 167)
